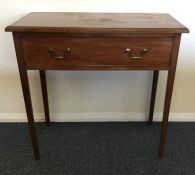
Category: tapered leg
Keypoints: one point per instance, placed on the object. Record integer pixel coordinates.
(168, 94)
(153, 95)
(164, 127)
(26, 93)
(29, 111)
(45, 96)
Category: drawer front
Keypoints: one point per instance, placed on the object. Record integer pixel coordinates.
(47, 52)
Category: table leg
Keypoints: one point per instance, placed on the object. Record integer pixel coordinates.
(42, 74)
(168, 94)
(153, 95)
(26, 93)
(29, 110)
(164, 126)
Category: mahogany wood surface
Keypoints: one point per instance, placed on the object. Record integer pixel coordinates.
(42, 74)
(71, 22)
(153, 95)
(95, 51)
(27, 95)
(168, 94)
(96, 41)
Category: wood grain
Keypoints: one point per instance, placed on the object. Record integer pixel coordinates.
(95, 51)
(168, 94)
(27, 95)
(98, 23)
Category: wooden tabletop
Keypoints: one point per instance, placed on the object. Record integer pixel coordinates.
(71, 22)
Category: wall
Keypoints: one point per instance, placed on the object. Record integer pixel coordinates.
(97, 96)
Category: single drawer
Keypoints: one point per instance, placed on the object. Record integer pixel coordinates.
(46, 52)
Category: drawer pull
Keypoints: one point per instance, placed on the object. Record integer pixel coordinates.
(55, 55)
(142, 53)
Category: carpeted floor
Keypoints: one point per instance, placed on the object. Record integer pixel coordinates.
(97, 149)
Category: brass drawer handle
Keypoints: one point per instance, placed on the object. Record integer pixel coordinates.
(142, 53)
(55, 55)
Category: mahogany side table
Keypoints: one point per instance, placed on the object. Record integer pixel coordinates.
(96, 41)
